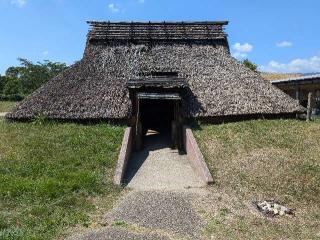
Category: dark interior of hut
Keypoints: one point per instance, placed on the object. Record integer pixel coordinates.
(156, 118)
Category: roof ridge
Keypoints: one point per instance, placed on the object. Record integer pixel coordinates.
(148, 31)
(308, 77)
(159, 22)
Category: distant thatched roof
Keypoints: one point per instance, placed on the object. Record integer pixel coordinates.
(278, 76)
(96, 87)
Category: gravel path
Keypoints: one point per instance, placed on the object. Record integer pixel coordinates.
(158, 167)
(160, 210)
(161, 205)
(117, 234)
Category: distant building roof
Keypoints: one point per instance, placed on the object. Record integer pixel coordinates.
(146, 31)
(299, 80)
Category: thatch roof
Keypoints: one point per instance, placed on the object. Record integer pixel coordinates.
(95, 87)
(279, 76)
(155, 31)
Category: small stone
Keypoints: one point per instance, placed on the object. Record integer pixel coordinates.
(273, 208)
(277, 206)
(264, 203)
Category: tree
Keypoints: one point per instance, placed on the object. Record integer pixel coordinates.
(252, 66)
(12, 86)
(2, 83)
(32, 76)
(27, 77)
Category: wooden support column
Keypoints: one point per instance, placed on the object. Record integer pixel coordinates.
(177, 128)
(138, 127)
(174, 126)
(309, 109)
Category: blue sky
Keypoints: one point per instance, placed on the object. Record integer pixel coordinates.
(278, 35)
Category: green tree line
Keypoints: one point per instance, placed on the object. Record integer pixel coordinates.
(26, 78)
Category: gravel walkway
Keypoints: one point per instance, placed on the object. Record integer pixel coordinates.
(117, 234)
(161, 205)
(169, 211)
(158, 167)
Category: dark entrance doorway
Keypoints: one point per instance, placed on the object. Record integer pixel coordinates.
(156, 105)
(158, 113)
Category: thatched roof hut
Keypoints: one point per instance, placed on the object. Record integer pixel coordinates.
(120, 57)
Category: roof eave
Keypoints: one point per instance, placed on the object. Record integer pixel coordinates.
(92, 22)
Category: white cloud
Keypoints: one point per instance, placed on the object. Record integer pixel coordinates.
(242, 48)
(19, 3)
(45, 53)
(299, 65)
(284, 44)
(240, 55)
(114, 7)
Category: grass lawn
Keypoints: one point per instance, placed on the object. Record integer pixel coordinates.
(6, 106)
(266, 159)
(53, 176)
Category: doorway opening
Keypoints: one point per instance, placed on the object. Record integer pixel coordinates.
(158, 114)
(157, 117)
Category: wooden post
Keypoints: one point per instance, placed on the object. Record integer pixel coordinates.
(309, 109)
(139, 137)
(175, 126)
(297, 97)
(138, 128)
(174, 134)
(297, 93)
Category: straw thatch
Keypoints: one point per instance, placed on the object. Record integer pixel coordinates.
(95, 87)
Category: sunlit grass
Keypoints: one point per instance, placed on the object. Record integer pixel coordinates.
(265, 159)
(49, 173)
(6, 106)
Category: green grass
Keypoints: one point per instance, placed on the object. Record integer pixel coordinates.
(6, 106)
(52, 176)
(264, 159)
